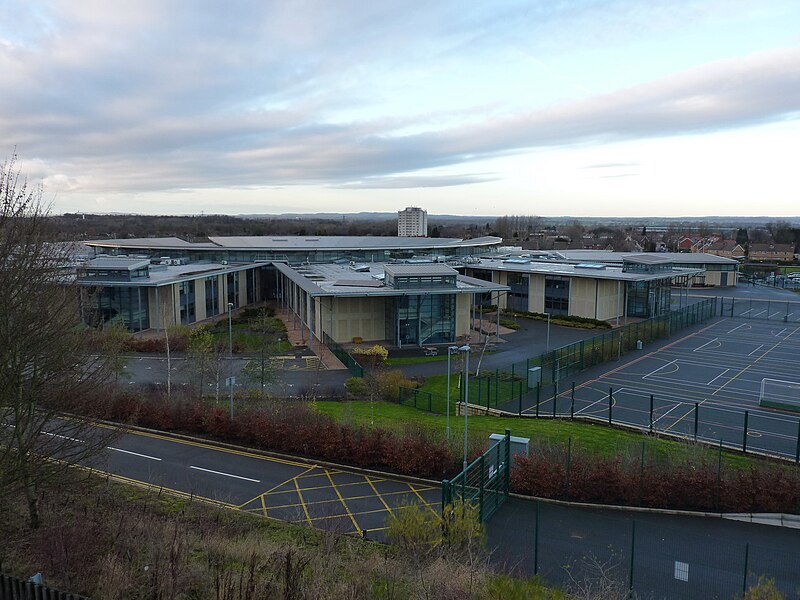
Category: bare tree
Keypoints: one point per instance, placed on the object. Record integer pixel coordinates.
(46, 365)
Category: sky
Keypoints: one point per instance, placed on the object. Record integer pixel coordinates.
(546, 107)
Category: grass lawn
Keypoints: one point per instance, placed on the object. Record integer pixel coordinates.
(414, 360)
(596, 438)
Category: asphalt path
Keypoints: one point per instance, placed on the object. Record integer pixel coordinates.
(338, 499)
(571, 543)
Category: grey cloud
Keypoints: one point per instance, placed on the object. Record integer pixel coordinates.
(177, 96)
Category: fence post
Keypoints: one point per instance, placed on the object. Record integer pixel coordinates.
(507, 460)
(482, 467)
(415, 398)
(744, 436)
(733, 303)
(572, 405)
(538, 389)
(746, 567)
(696, 418)
(641, 476)
(610, 400)
(719, 473)
(430, 402)
(519, 407)
(536, 543)
(633, 550)
(445, 493)
(651, 413)
(797, 451)
(555, 397)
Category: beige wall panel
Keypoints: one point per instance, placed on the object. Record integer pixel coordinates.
(609, 304)
(359, 317)
(242, 288)
(162, 313)
(536, 294)
(462, 314)
(199, 299)
(581, 297)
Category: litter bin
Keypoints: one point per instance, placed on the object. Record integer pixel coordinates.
(638, 344)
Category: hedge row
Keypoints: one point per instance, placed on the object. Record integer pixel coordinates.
(294, 428)
(696, 484)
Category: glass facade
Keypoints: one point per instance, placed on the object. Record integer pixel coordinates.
(233, 289)
(520, 290)
(187, 302)
(556, 295)
(648, 298)
(250, 274)
(212, 297)
(126, 305)
(418, 320)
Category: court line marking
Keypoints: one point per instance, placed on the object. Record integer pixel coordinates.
(224, 474)
(133, 453)
(605, 398)
(717, 377)
(706, 344)
(756, 350)
(653, 372)
(781, 331)
(666, 413)
(737, 327)
(681, 418)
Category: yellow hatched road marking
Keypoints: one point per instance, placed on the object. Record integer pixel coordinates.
(300, 495)
(378, 494)
(275, 487)
(425, 502)
(366, 497)
(263, 506)
(347, 510)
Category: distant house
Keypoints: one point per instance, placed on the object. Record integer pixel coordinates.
(726, 248)
(784, 252)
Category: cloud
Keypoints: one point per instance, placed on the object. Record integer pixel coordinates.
(116, 97)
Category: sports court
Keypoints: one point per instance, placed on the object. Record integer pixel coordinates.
(706, 385)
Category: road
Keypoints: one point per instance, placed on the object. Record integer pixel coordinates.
(717, 552)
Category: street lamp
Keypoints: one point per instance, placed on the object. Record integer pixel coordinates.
(465, 349)
(450, 350)
(230, 350)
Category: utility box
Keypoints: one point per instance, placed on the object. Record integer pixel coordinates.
(534, 377)
(519, 445)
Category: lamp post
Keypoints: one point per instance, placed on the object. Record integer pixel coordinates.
(450, 350)
(230, 350)
(465, 349)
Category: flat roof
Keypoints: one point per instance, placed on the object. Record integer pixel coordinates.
(419, 269)
(340, 280)
(608, 256)
(112, 263)
(160, 275)
(298, 243)
(573, 270)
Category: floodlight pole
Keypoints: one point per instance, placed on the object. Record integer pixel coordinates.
(230, 349)
(465, 349)
(450, 350)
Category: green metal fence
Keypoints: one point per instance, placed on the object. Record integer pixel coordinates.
(343, 355)
(505, 385)
(484, 483)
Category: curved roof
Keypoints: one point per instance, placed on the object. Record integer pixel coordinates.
(299, 243)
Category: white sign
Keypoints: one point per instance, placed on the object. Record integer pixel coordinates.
(230, 381)
(681, 571)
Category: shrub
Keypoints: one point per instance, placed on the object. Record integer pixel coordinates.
(357, 387)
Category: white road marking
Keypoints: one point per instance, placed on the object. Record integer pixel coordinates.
(773, 314)
(63, 437)
(780, 332)
(706, 344)
(756, 350)
(224, 474)
(669, 411)
(133, 453)
(718, 376)
(737, 327)
(761, 312)
(659, 368)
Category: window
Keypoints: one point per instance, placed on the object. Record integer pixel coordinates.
(212, 297)
(233, 289)
(556, 295)
(187, 302)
